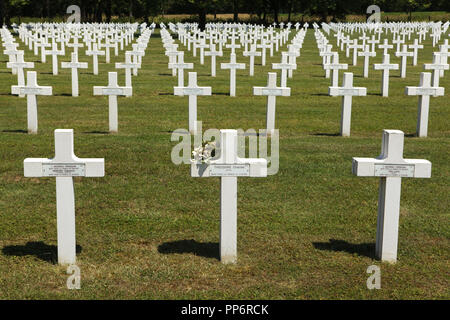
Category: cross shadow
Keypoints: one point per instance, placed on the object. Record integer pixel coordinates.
(5, 94)
(374, 94)
(164, 74)
(361, 249)
(203, 249)
(95, 132)
(326, 134)
(410, 135)
(39, 249)
(15, 131)
(320, 94)
(63, 94)
(165, 94)
(220, 93)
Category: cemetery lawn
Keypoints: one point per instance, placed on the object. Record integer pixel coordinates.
(147, 230)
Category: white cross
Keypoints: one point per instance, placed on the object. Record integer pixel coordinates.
(181, 65)
(192, 90)
(74, 65)
(390, 167)
(355, 46)
(232, 65)
(335, 66)
(127, 65)
(55, 53)
(263, 46)
(367, 54)
(271, 91)
(213, 53)
(19, 65)
(385, 46)
(416, 46)
(385, 66)
(95, 53)
(12, 53)
(31, 90)
(404, 54)
(424, 91)
(252, 53)
(75, 45)
(436, 66)
(202, 45)
(107, 45)
(284, 66)
(228, 166)
(113, 90)
(64, 166)
(347, 91)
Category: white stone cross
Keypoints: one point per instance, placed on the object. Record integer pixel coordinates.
(192, 90)
(64, 166)
(335, 66)
(391, 168)
(347, 91)
(385, 46)
(385, 66)
(436, 66)
(271, 91)
(355, 46)
(416, 46)
(55, 53)
(232, 65)
(202, 45)
(127, 65)
(404, 54)
(181, 65)
(252, 53)
(284, 66)
(213, 53)
(228, 166)
(263, 46)
(75, 45)
(367, 54)
(19, 65)
(424, 91)
(74, 65)
(31, 90)
(95, 53)
(113, 90)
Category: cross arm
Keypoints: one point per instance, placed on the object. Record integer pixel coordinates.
(339, 91)
(278, 91)
(44, 167)
(372, 167)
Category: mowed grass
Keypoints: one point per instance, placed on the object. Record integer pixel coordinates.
(147, 230)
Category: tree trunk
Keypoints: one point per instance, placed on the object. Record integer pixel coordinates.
(108, 10)
(275, 11)
(131, 10)
(202, 18)
(235, 10)
(290, 10)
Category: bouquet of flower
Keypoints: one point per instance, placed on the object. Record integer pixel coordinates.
(204, 153)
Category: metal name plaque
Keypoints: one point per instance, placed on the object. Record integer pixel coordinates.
(394, 170)
(229, 170)
(30, 91)
(63, 169)
(348, 92)
(193, 91)
(425, 91)
(112, 91)
(272, 92)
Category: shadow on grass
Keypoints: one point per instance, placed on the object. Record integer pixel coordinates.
(203, 249)
(361, 249)
(165, 94)
(15, 131)
(39, 249)
(63, 95)
(96, 132)
(220, 93)
(326, 134)
(321, 94)
(164, 74)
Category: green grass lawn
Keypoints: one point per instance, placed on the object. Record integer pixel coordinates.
(147, 230)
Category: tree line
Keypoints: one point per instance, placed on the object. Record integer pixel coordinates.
(264, 11)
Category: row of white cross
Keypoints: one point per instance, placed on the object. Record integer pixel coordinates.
(390, 166)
